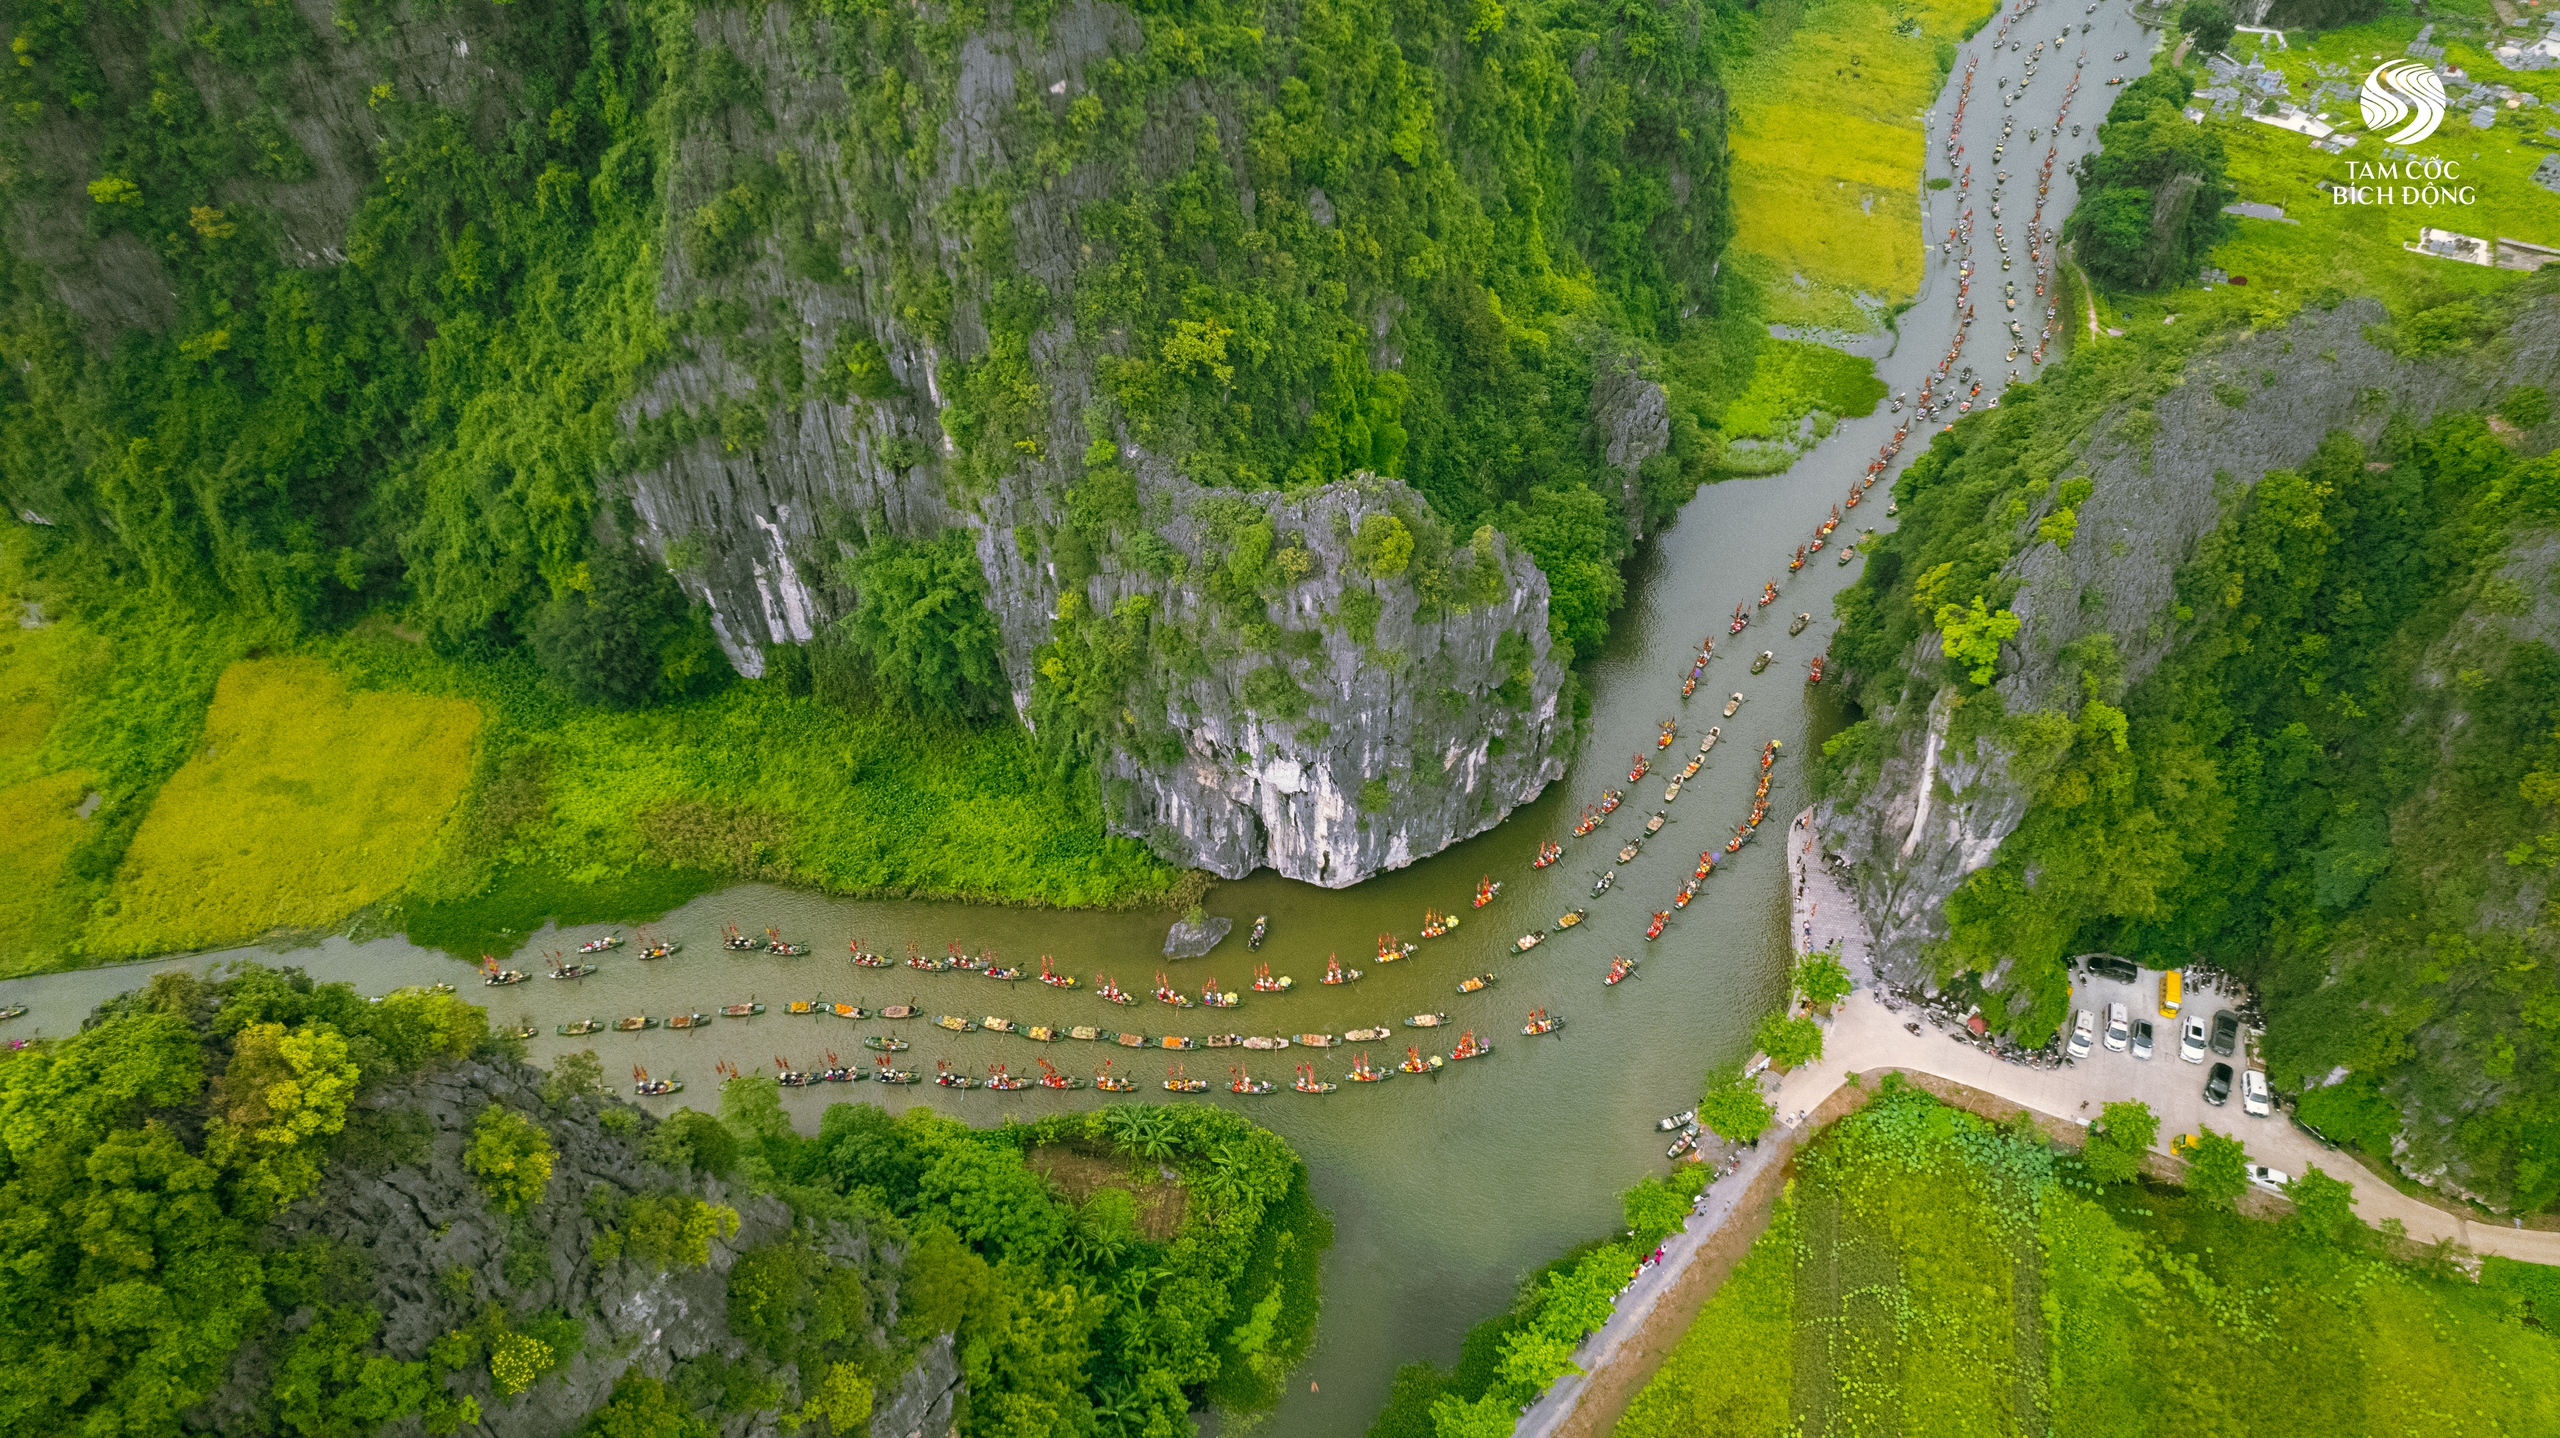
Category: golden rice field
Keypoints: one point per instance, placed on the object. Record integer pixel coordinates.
(39, 825)
(306, 803)
(38, 819)
(1827, 138)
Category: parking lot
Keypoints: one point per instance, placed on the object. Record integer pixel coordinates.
(2173, 1087)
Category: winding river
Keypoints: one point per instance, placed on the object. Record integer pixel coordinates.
(1443, 1189)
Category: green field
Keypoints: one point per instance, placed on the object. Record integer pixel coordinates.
(465, 800)
(1827, 141)
(305, 804)
(1932, 1273)
(2321, 246)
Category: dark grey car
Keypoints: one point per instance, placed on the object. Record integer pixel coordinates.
(2217, 1085)
(2226, 1032)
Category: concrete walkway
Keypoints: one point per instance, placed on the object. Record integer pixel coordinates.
(1866, 1036)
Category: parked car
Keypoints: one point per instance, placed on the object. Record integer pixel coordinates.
(2226, 1032)
(2191, 1039)
(2082, 1031)
(2256, 1099)
(2271, 1179)
(2142, 1038)
(2119, 1028)
(2217, 1085)
(2112, 966)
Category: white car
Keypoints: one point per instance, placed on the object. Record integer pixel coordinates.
(2082, 1031)
(2119, 1028)
(2191, 1040)
(2256, 1099)
(2271, 1179)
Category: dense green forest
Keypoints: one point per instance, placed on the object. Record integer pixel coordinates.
(1931, 1271)
(2335, 785)
(1103, 1272)
(309, 351)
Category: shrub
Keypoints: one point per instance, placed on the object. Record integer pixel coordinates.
(1789, 1042)
(1382, 546)
(511, 1157)
(2123, 1134)
(1734, 1107)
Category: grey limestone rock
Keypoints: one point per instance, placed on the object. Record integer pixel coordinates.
(1187, 940)
(1374, 753)
(435, 1253)
(1940, 811)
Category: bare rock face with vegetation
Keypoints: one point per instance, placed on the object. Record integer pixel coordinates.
(2226, 649)
(1012, 329)
(1257, 403)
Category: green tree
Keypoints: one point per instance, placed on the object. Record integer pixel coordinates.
(280, 1097)
(2323, 1206)
(2152, 195)
(643, 1407)
(511, 1157)
(1789, 1042)
(694, 1140)
(920, 621)
(751, 1105)
(1972, 637)
(1822, 978)
(1655, 1211)
(1734, 1107)
(625, 636)
(1382, 546)
(2208, 24)
(2217, 1168)
(2117, 1142)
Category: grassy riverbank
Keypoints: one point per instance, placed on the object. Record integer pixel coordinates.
(1930, 1271)
(248, 783)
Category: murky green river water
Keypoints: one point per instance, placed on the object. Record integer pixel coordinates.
(1443, 1189)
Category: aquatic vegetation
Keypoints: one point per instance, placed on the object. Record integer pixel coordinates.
(1931, 1271)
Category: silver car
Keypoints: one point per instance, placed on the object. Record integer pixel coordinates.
(2142, 1038)
(2191, 1040)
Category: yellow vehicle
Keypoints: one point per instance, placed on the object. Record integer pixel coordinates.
(2169, 994)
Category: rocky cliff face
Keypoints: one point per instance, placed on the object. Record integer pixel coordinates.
(1451, 704)
(433, 1253)
(1052, 275)
(1939, 809)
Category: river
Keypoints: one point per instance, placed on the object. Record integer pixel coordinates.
(1443, 1190)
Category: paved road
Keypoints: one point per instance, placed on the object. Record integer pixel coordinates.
(1868, 1035)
